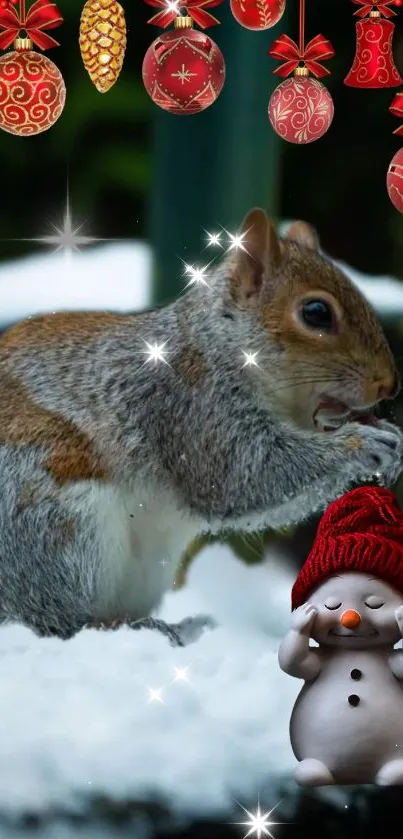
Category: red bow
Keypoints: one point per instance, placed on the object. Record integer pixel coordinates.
(195, 9)
(396, 109)
(42, 15)
(284, 47)
(382, 7)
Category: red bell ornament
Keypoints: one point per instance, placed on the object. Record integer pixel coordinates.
(373, 65)
(183, 69)
(257, 14)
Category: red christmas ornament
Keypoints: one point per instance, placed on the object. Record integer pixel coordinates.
(301, 109)
(184, 70)
(373, 65)
(394, 181)
(32, 90)
(257, 14)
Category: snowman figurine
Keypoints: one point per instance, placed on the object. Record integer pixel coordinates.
(347, 723)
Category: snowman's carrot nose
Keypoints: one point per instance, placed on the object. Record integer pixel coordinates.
(350, 619)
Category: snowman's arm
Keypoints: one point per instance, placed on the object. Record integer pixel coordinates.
(396, 663)
(297, 658)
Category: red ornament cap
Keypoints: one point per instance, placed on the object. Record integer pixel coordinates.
(361, 531)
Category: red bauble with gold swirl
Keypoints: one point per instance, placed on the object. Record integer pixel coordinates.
(394, 181)
(301, 110)
(257, 14)
(32, 91)
(183, 70)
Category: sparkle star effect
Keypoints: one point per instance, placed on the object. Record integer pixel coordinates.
(213, 240)
(154, 695)
(173, 6)
(259, 823)
(67, 237)
(181, 674)
(236, 241)
(197, 275)
(250, 359)
(155, 352)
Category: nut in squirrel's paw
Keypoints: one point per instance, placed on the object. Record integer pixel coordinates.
(374, 450)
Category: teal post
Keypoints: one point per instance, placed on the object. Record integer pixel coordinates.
(209, 169)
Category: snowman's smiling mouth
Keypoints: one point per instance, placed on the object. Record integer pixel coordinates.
(351, 633)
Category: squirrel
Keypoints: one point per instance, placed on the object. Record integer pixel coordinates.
(256, 415)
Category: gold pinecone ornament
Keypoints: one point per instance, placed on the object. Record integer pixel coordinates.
(103, 41)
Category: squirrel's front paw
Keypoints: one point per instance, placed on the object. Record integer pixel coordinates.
(372, 450)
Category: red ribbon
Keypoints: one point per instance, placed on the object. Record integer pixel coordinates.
(318, 48)
(382, 7)
(42, 15)
(196, 9)
(396, 109)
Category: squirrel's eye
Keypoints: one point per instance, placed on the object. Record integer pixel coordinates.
(317, 314)
(332, 606)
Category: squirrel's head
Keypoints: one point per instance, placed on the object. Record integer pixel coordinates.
(320, 352)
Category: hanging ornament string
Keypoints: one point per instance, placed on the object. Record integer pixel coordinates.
(196, 9)
(296, 55)
(367, 8)
(42, 15)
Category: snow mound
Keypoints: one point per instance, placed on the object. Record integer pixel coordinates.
(77, 719)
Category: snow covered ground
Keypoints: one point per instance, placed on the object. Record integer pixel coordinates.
(77, 718)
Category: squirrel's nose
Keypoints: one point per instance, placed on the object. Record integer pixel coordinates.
(388, 389)
(350, 619)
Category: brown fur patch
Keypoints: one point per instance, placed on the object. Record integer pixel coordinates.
(24, 422)
(354, 442)
(66, 532)
(50, 328)
(191, 365)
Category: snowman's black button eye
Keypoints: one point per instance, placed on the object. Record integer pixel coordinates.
(356, 674)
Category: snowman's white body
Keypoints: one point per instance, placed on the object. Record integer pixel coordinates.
(353, 740)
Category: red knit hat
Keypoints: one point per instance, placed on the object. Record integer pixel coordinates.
(361, 531)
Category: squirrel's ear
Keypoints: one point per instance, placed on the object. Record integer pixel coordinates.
(304, 235)
(257, 256)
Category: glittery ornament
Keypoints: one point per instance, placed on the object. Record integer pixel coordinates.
(301, 108)
(103, 41)
(183, 69)
(32, 93)
(257, 14)
(394, 181)
(32, 90)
